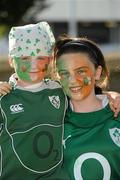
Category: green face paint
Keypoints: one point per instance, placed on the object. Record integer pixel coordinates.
(31, 68)
(22, 68)
(65, 83)
(87, 81)
(64, 77)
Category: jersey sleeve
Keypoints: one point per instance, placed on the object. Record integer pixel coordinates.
(1, 119)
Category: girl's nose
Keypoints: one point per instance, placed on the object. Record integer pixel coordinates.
(72, 79)
(33, 64)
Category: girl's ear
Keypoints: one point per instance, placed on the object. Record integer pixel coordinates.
(98, 72)
(10, 60)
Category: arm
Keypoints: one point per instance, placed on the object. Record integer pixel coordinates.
(1, 120)
(4, 88)
(114, 98)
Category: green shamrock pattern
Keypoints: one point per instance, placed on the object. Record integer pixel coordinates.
(31, 40)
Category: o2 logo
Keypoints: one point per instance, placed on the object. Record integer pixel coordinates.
(101, 159)
(50, 149)
(44, 148)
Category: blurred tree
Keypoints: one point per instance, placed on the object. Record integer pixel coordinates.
(18, 12)
(12, 12)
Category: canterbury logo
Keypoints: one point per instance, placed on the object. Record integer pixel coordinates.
(16, 108)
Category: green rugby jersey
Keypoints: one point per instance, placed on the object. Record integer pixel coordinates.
(92, 145)
(31, 129)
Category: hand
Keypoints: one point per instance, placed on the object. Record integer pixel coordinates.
(5, 88)
(114, 102)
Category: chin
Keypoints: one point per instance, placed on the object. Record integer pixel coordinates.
(36, 81)
(77, 98)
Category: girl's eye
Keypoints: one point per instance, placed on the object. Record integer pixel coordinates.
(64, 75)
(25, 60)
(81, 71)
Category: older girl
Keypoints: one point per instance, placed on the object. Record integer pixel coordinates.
(92, 135)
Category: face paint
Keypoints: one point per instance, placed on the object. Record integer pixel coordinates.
(63, 75)
(87, 81)
(76, 75)
(31, 69)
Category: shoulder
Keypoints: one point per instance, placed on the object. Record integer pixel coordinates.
(118, 118)
(8, 96)
(110, 116)
(52, 84)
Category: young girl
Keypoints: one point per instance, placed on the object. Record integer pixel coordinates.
(32, 114)
(92, 135)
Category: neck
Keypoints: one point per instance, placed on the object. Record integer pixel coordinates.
(89, 104)
(26, 83)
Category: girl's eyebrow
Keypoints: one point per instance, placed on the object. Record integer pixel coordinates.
(79, 68)
(39, 57)
(29, 57)
(25, 57)
(62, 70)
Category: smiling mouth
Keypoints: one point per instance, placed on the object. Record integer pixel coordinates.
(34, 72)
(75, 89)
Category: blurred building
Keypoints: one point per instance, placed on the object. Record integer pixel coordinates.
(98, 19)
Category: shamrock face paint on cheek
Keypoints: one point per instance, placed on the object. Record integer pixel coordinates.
(85, 81)
(31, 69)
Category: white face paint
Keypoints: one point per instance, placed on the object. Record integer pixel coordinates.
(100, 158)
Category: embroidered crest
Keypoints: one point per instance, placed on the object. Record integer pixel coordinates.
(115, 135)
(55, 101)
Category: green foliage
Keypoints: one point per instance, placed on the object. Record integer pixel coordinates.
(13, 11)
(3, 30)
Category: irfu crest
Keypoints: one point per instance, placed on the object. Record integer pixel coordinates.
(115, 135)
(55, 101)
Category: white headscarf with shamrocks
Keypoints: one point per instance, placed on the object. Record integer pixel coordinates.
(31, 40)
